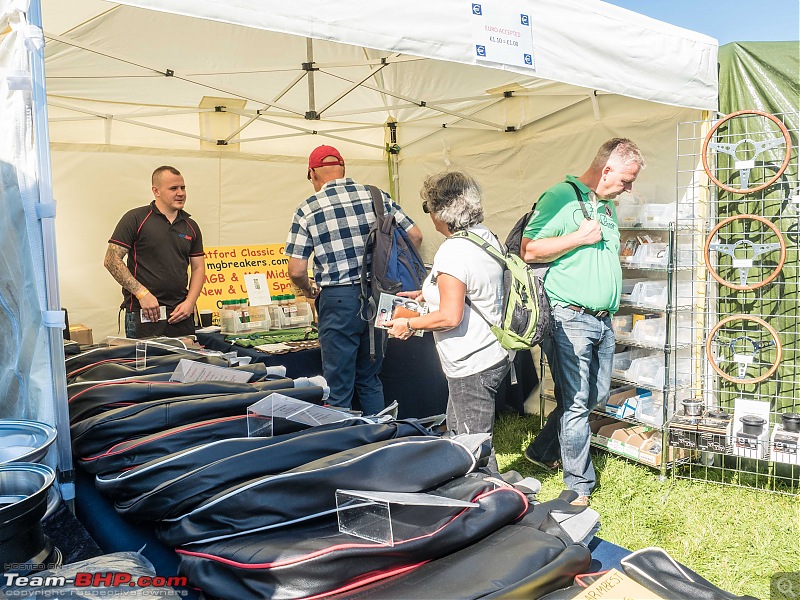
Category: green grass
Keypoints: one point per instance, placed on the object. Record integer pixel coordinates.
(734, 537)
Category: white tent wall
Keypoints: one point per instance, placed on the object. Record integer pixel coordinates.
(248, 199)
(514, 175)
(235, 199)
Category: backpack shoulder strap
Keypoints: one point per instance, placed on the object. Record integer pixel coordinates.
(479, 241)
(377, 200)
(581, 201)
(491, 251)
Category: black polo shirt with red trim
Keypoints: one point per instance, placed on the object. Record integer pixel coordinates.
(158, 252)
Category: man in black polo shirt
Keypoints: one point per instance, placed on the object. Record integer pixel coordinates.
(161, 241)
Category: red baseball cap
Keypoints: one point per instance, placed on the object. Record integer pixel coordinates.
(317, 158)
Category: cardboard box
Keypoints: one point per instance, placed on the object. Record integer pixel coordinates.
(596, 421)
(633, 445)
(650, 452)
(81, 334)
(615, 584)
(714, 431)
(683, 431)
(623, 401)
(627, 441)
(606, 431)
(785, 446)
(750, 445)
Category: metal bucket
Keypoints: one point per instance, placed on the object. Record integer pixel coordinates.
(24, 491)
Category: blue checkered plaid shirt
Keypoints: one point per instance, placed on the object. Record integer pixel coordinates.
(334, 224)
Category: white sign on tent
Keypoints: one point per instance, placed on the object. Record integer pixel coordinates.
(503, 34)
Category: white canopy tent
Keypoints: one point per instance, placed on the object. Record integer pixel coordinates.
(235, 93)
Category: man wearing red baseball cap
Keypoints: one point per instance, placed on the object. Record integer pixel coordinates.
(333, 225)
(324, 156)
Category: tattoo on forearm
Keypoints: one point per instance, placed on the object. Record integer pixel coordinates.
(114, 263)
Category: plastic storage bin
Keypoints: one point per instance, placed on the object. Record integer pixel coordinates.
(303, 316)
(650, 409)
(629, 215)
(286, 314)
(654, 254)
(650, 331)
(622, 326)
(654, 331)
(628, 285)
(243, 318)
(649, 371)
(650, 293)
(623, 361)
(657, 215)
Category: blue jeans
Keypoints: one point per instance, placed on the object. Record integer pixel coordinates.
(344, 339)
(471, 405)
(580, 353)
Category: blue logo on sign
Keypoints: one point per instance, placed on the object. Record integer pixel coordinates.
(528, 59)
(522, 19)
(481, 50)
(476, 9)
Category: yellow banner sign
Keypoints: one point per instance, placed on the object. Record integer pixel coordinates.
(226, 267)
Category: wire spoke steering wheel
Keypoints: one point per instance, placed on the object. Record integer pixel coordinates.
(758, 148)
(744, 360)
(744, 264)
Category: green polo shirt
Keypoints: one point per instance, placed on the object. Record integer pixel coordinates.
(588, 276)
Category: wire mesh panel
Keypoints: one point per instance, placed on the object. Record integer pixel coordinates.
(739, 226)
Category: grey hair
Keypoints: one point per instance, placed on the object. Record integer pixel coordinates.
(621, 150)
(455, 198)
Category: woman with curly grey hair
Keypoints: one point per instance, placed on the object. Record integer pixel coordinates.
(472, 359)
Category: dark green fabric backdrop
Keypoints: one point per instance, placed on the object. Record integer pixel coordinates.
(763, 76)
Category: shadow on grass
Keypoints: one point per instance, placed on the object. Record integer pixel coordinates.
(737, 537)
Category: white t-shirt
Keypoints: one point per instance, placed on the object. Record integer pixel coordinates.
(471, 347)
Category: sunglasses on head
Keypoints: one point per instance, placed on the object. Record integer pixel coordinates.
(425, 208)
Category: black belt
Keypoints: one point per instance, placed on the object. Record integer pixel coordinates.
(600, 314)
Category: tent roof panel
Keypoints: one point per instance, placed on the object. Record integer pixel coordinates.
(582, 42)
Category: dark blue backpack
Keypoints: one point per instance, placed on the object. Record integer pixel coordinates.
(390, 263)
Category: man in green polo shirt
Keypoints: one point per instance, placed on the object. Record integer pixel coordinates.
(583, 284)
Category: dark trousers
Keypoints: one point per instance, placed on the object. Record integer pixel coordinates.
(471, 406)
(344, 339)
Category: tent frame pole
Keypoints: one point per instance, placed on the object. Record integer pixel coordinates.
(41, 136)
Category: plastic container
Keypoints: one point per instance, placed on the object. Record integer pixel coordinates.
(649, 371)
(622, 326)
(629, 215)
(278, 317)
(654, 254)
(304, 315)
(238, 316)
(289, 308)
(628, 285)
(228, 318)
(657, 215)
(650, 331)
(650, 409)
(622, 362)
(650, 293)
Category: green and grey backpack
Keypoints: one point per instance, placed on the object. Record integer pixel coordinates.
(526, 310)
